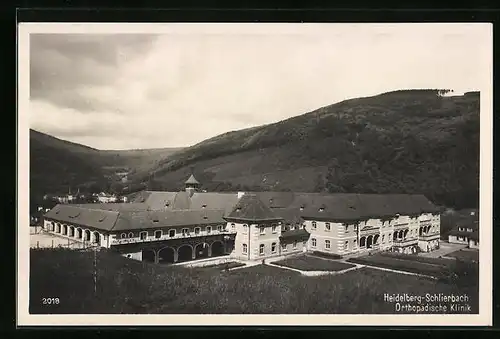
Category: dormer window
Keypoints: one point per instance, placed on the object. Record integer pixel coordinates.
(302, 207)
(204, 206)
(321, 209)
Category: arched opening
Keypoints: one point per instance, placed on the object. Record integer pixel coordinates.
(362, 242)
(185, 253)
(369, 242)
(65, 230)
(79, 233)
(97, 238)
(217, 248)
(166, 255)
(87, 235)
(395, 236)
(376, 239)
(201, 251)
(58, 228)
(148, 255)
(420, 231)
(72, 231)
(52, 226)
(405, 234)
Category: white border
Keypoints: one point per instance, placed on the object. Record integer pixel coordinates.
(484, 318)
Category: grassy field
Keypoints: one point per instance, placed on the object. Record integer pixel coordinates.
(469, 255)
(437, 267)
(132, 287)
(427, 260)
(309, 263)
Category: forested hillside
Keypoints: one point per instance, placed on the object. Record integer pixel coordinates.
(409, 141)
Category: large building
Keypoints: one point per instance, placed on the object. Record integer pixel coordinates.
(168, 227)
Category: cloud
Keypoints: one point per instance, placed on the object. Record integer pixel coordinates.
(168, 90)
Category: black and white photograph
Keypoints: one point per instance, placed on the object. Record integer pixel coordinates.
(255, 174)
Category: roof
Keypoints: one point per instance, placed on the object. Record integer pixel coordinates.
(295, 234)
(119, 207)
(222, 201)
(95, 218)
(251, 208)
(159, 219)
(107, 220)
(192, 180)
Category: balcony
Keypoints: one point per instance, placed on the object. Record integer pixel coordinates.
(405, 241)
(151, 239)
(428, 237)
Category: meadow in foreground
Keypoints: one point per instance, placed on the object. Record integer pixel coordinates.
(132, 287)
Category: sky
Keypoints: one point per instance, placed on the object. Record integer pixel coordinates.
(179, 85)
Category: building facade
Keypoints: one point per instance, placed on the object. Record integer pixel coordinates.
(466, 232)
(170, 227)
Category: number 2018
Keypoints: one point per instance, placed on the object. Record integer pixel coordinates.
(50, 301)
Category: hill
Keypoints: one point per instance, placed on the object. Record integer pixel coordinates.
(409, 141)
(57, 165)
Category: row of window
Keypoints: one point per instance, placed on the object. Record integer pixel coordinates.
(328, 226)
(328, 243)
(262, 229)
(172, 233)
(262, 247)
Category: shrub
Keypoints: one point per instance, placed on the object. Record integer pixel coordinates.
(326, 255)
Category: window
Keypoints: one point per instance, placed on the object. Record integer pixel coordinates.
(204, 206)
(262, 230)
(294, 244)
(390, 237)
(327, 244)
(274, 229)
(346, 227)
(144, 235)
(219, 228)
(131, 235)
(171, 233)
(302, 208)
(321, 209)
(233, 226)
(346, 245)
(158, 234)
(314, 225)
(245, 248)
(197, 230)
(304, 226)
(273, 247)
(355, 243)
(185, 231)
(292, 227)
(123, 236)
(313, 242)
(355, 227)
(383, 237)
(327, 226)
(261, 249)
(245, 228)
(283, 247)
(209, 229)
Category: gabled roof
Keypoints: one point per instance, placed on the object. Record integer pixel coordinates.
(192, 180)
(251, 208)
